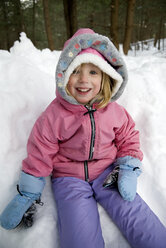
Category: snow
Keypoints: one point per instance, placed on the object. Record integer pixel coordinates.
(27, 86)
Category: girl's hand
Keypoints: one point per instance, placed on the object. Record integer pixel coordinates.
(124, 176)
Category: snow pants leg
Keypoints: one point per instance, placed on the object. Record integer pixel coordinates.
(79, 224)
(135, 219)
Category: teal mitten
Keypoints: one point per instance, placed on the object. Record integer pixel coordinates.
(129, 170)
(30, 189)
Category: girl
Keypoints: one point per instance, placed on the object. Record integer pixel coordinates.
(80, 139)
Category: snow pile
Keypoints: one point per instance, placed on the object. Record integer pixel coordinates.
(27, 86)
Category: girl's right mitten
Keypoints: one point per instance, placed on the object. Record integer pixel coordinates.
(30, 189)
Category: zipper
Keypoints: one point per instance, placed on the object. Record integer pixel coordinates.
(86, 171)
(93, 132)
(92, 135)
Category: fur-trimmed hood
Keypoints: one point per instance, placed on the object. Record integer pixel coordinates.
(86, 46)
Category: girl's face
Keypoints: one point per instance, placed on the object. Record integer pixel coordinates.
(85, 82)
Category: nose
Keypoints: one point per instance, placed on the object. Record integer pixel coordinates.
(83, 77)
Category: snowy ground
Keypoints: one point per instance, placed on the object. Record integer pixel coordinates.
(27, 86)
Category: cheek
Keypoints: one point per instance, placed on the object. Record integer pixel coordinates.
(98, 85)
(71, 81)
(70, 85)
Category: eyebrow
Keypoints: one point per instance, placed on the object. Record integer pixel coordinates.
(95, 67)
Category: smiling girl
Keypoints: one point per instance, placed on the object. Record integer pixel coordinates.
(80, 139)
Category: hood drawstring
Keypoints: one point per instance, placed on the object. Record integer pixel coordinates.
(90, 110)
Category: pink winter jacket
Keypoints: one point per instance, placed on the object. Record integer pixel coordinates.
(69, 140)
(60, 141)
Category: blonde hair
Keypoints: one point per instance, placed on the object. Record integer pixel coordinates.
(105, 93)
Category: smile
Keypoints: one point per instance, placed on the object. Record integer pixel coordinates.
(83, 90)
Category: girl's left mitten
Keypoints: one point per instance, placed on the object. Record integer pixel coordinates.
(30, 189)
(129, 170)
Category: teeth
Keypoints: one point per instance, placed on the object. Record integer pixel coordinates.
(83, 90)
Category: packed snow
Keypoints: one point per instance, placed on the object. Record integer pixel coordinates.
(27, 86)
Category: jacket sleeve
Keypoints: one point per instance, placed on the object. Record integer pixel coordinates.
(127, 138)
(42, 146)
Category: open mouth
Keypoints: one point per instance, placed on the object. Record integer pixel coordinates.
(83, 90)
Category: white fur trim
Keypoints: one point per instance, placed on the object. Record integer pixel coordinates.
(99, 62)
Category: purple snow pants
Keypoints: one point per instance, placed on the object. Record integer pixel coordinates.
(79, 224)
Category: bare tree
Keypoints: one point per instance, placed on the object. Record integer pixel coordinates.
(34, 23)
(48, 24)
(129, 25)
(6, 26)
(158, 33)
(19, 14)
(114, 22)
(70, 12)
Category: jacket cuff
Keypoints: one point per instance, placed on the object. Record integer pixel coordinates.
(31, 184)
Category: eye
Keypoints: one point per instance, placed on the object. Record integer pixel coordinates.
(93, 72)
(76, 71)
